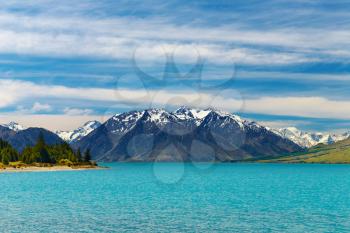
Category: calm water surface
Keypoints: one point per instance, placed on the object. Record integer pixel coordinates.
(179, 198)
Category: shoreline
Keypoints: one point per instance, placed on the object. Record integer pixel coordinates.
(49, 169)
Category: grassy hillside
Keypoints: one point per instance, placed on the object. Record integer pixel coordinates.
(335, 153)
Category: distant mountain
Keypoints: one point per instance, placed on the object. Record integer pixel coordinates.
(77, 134)
(19, 139)
(338, 152)
(183, 135)
(13, 126)
(307, 140)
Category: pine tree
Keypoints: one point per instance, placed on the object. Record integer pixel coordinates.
(7, 152)
(26, 155)
(41, 141)
(44, 156)
(79, 156)
(5, 159)
(87, 156)
(41, 149)
(42, 153)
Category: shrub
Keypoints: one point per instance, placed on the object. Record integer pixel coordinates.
(65, 162)
(18, 164)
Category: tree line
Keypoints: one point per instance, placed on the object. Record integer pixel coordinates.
(43, 153)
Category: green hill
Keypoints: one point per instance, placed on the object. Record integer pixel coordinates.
(335, 153)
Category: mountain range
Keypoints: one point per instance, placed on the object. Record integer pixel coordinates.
(183, 135)
(307, 139)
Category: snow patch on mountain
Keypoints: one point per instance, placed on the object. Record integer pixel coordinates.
(159, 116)
(14, 126)
(185, 113)
(198, 115)
(77, 134)
(121, 123)
(307, 139)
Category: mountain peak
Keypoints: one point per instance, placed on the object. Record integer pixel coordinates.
(159, 115)
(185, 113)
(77, 134)
(91, 124)
(155, 111)
(225, 119)
(14, 126)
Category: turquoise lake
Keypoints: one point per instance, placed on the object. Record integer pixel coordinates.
(175, 197)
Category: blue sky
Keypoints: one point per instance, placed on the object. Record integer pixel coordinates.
(282, 63)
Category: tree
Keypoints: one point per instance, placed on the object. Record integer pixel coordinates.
(79, 156)
(41, 149)
(5, 159)
(41, 140)
(44, 156)
(87, 156)
(42, 153)
(26, 155)
(7, 152)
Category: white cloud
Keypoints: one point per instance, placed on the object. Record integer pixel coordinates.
(38, 107)
(50, 122)
(15, 91)
(300, 106)
(284, 123)
(77, 111)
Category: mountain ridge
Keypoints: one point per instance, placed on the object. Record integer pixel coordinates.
(158, 135)
(27, 137)
(310, 139)
(75, 135)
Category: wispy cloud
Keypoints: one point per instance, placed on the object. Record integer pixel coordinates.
(271, 43)
(77, 111)
(36, 108)
(39, 107)
(118, 37)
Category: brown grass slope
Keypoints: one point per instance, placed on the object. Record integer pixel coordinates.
(337, 153)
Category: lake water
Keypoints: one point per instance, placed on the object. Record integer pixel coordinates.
(179, 198)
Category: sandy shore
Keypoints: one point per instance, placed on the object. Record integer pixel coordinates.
(49, 169)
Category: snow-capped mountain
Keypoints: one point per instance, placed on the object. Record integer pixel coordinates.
(307, 139)
(341, 137)
(13, 126)
(182, 135)
(77, 134)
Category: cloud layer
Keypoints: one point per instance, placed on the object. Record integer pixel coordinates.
(17, 91)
